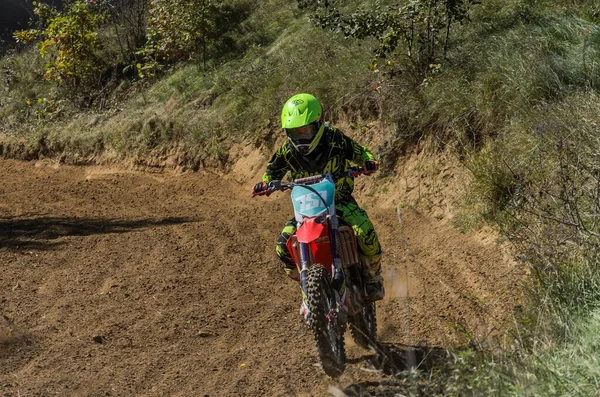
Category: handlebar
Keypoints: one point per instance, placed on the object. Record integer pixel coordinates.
(278, 185)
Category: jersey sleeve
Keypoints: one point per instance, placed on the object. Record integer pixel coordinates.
(356, 152)
(278, 166)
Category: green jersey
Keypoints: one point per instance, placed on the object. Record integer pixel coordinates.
(334, 154)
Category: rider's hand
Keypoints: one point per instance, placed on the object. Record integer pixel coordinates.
(260, 187)
(371, 165)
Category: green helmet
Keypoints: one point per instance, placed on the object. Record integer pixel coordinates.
(302, 121)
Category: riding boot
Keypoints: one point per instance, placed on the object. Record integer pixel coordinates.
(292, 272)
(372, 277)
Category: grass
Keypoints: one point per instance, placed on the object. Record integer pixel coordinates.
(23, 71)
(548, 369)
(533, 109)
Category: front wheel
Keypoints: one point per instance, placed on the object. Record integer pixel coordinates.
(324, 322)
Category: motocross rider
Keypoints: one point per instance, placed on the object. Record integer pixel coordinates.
(314, 148)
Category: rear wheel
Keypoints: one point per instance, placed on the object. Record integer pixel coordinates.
(324, 322)
(363, 326)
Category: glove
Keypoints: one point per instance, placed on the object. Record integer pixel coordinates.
(371, 165)
(259, 187)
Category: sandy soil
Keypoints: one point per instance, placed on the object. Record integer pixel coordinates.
(122, 283)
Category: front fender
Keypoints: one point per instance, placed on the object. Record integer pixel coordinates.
(309, 231)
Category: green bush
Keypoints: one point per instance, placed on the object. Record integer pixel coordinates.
(417, 33)
(69, 41)
(177, 30)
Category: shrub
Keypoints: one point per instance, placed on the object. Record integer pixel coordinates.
(177, 30)
(416, 32)
(69, 41)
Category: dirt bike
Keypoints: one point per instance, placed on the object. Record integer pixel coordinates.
(325, 251)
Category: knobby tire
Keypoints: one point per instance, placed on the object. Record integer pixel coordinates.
(329, 335)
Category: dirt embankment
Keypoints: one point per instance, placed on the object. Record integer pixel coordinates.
(118, 282)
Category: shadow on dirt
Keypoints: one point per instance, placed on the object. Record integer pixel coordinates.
(38, 233)
(395, 361)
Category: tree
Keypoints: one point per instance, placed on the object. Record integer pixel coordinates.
(128, 19)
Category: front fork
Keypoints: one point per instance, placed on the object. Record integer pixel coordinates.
(304, 269)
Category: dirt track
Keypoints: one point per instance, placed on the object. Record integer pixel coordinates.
(120, 283)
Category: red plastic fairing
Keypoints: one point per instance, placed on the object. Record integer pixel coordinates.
(316, 235)
(309, 231)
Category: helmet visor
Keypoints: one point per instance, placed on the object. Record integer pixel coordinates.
(304, 132)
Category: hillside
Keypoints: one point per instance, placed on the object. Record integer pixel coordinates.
(484, 117)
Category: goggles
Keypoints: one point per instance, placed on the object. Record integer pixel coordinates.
(304, 132)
